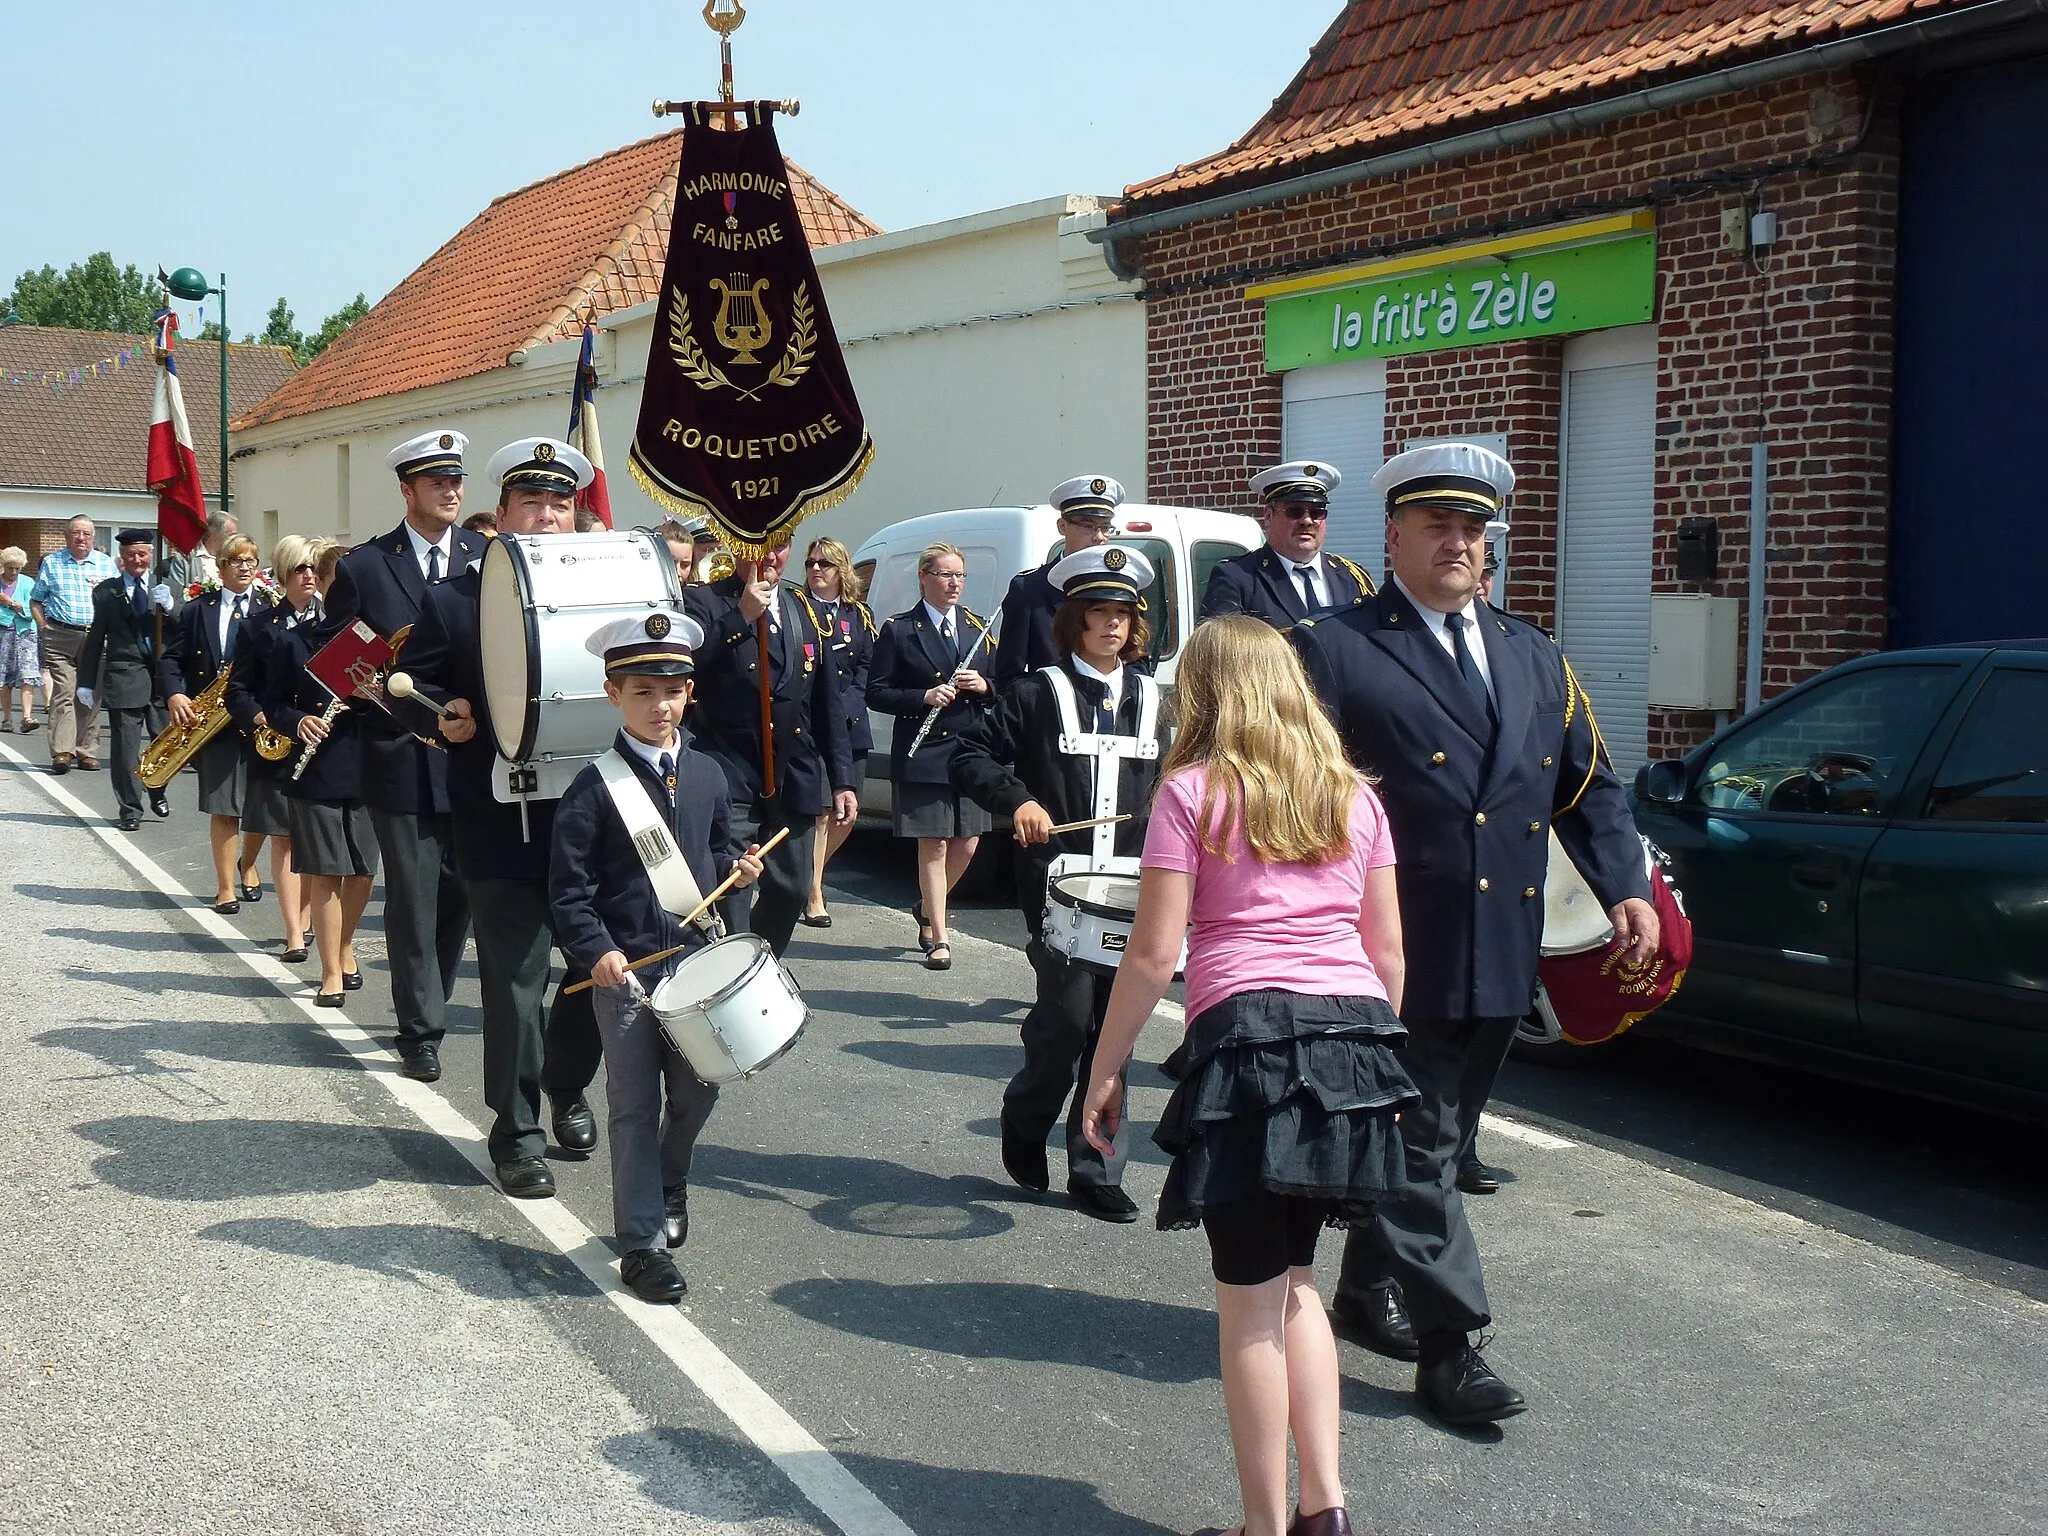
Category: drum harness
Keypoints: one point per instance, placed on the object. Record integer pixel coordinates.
(1107, 750)
(674, 886)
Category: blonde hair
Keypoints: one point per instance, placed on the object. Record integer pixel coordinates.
(292, 551)
(928, 561)
(1275, 765)
(233, 546)
(851, 588)
(13, 554)
(326, 555)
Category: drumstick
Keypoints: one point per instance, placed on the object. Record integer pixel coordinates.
(1083, 826)
(701, 908)
(399, 686)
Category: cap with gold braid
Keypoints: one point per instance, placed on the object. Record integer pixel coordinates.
(658, 645)
(539, 464)
(1456, 477)
(1107, 574)
(431, 453)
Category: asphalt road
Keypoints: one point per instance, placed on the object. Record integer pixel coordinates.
(259, 1282)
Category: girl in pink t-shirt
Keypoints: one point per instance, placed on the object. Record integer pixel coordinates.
(1271, 855)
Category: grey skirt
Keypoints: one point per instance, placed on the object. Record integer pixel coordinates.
(933, 810)
(266, 812)
(332, 837)
(223, 775)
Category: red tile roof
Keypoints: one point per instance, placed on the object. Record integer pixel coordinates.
(531, 268)
(1394, 70)
(91, 436)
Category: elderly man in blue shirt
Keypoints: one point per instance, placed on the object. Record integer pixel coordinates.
(63, 607)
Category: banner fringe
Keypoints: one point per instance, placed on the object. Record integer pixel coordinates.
(686, 506)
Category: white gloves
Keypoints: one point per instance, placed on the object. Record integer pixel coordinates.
(85, 699)
(160, 594)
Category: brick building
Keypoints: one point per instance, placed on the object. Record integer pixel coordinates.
(1699, 269)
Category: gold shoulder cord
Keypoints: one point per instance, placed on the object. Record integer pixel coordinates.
(1357, 571)
(1573, 692)
(867, 618)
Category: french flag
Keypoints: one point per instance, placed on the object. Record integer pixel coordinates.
(593, 498)
(173, 470)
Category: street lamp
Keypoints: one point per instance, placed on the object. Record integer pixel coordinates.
(189, 284)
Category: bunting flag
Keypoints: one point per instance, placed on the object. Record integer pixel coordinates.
(173, 471)
(58, 378)
(593, 498)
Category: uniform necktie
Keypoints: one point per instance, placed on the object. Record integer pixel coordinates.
(434, 566)
(227, 649)
(668, 776)
(1105, 716)
(141, 601)
(1309, 599)
(1468, 669)
(952, 642)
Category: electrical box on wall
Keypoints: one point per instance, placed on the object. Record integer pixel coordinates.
(1693, 653)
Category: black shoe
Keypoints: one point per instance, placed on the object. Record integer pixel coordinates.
(252, 893)
(422, 1063)
(1478, 1179)
(653, 1276)
(675, 1227)
(1327, 1522)
(159, 805)
(1460, 1389)
(575, 1125)
(1025, 1162)
(924, 926)
(821, 920)
(227, 908)
(1376, 1318)
(527, 1178)
(1105, 1202)
(293, 957)
(351, 981)
(329, 1000)
(128, 823)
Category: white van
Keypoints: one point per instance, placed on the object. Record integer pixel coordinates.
(1184, 545)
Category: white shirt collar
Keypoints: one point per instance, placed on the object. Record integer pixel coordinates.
(1112, 680)
(939, 617)
(1475, 632)
(651, 756)
(420, 546)
(1290, 565)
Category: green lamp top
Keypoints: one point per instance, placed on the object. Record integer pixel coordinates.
(188, 283)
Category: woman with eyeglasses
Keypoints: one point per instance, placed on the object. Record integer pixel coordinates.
(926, 659)
(206, 640)
(832, 591)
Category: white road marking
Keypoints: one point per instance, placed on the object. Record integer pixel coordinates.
(815, 1471)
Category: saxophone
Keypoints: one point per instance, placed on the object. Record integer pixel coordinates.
(165, 757)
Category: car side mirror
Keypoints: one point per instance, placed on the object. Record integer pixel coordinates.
(1662, 782)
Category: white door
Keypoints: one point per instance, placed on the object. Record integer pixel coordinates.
(1338, 414)
(1610, 423)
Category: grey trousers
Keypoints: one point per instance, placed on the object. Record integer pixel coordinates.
(71, 729)
(772, 905)
(1059, 1036)
(522, 1038)
(1422, 1238)
(642, 1072)
(130, 731)
(426, 920)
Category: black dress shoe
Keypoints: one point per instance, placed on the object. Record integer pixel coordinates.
(128, 823)
(293, 957)
(422, 1063)
(675, 1226)
(1105, 1202)
(1478, 1179)
(1460, 1389)
(1024, 1161)
(327, 999)
(820, 920)
(1376, 1318)
(252, 893)
(1325, 1522)
(227, 908)
(159, 805)
(351, 981)
(575, 1125)
(652, 1275)
(527, 1178)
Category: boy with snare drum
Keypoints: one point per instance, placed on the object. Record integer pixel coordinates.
(616, 888)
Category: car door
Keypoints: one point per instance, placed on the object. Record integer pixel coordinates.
(1770, 842)
(1952, 971)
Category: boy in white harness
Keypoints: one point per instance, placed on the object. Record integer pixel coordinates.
(1072, 742)
(641, 833)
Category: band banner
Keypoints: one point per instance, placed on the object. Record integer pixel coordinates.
(747, 415)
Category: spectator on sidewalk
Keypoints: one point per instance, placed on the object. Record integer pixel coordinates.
(20, 653)
(116, 667)
(62, 609)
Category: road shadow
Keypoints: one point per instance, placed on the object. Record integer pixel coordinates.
(487, 1268)
(695, 1472)
(1847, 1156)
(233, 1158)
(157, 983)
(954, 1058)
(100, 896)
(906, 1010)
(155, 941)
(150, 1048)
(1142, 1150)
(931, 1500)
(861, 1195)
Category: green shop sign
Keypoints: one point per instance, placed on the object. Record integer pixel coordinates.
(1546, 293)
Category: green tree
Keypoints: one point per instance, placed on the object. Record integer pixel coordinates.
(279, 330)
(332, 327)
(93, 295)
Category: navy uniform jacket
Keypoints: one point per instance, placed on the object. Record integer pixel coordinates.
(290, 693)
(258, 656)
(1470, 822)
(115, 661)
(598, 890)
(1012, 754)
(445, 662)
(850, 652)
(909, 658)
(1261, 583)
(811, 755)
(1027, 613)
(191, 658)
(380, 583)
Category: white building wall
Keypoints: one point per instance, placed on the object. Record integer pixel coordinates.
(994, 357)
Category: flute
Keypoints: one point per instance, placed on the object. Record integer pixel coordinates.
(931, 717)
(305, 757)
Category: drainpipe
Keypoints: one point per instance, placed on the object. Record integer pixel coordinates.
(1759, 590)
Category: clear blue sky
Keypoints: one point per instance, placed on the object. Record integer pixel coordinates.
(314, 151)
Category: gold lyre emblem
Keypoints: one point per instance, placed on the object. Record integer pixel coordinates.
(741, 325)
(724, 16)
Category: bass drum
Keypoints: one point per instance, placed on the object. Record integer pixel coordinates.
(1573, 919)
(539, 598)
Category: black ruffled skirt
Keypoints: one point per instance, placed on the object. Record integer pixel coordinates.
(1281, 1093)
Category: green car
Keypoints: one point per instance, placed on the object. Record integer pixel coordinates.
(1865, 863)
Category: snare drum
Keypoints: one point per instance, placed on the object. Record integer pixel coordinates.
(1088, 919)
(1573, 919)
(539, 599)
(731, 1009)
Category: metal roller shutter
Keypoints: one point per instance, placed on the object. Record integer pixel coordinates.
(1350, 431)
(1609, 504)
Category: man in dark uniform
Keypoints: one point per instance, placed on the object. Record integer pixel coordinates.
(502, 849)
(404, 781)
(813, 764)
(1291, 576)
(1481, 740)
(115, 668)
(1086, 505)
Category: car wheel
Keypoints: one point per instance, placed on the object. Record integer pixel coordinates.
(1539, 1038)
